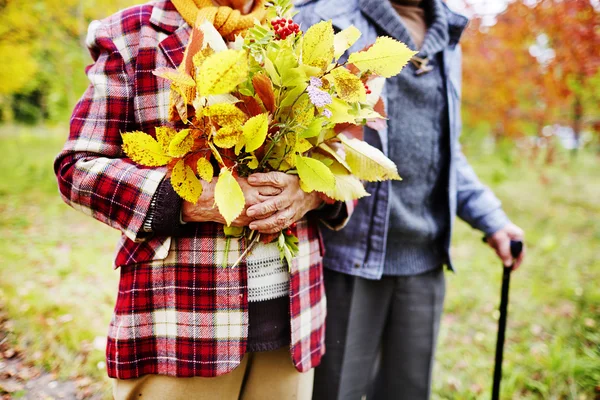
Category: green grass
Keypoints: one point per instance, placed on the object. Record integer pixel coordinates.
(57, 284)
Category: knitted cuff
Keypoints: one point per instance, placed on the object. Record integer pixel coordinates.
(331, 212)
(166, 218)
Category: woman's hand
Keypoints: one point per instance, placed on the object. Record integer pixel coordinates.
(279, 211)
(205, 209)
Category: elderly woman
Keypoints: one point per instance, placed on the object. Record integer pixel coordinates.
(254, 331)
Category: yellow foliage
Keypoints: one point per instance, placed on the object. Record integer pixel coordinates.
(181, 143)
(144, 149)
(205, 169)
(343, 40)
(176, 76)
(347, 186)
(255, 131)
(340, 111)
(348, 86)
(225, 114)
(229, 196)
(222, 72)
(317, 46)
(185, 183)
(303, 111)
(314, 175)
(227, 137)
(386, 57)
(367, 162)
(164, 135)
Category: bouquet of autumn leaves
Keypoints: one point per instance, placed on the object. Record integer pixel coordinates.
(273, 100)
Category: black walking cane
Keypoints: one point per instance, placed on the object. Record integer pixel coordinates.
(516, 247)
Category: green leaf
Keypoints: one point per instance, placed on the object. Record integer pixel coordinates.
(313, 129)
(229, 196)
(255, 131)
(367, 162)
(185, 183)
(317, 47)
(144, 149)
(314, 174)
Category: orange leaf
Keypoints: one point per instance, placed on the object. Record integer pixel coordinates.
(193, 47)
(250, 105)
(264, 89)
(350, 130)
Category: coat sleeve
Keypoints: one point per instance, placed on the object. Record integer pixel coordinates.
(476, 203)
(93, 174)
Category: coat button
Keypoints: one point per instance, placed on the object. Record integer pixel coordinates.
(356, 265)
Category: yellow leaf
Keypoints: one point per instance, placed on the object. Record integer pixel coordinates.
(225, 114)
(229, 196)
(239, 145)
(227, 136)
(253, 163)
(303, 111)
(348, 86)
(222, 72)
(181, 143)
(343, 40)
(329, 150)
(216, 153)
(255, 131)
(164, 135)
(205, 169)
(340, 112)
(314, 175)
(303, 145)
(367, 162)
(176, 76)
(201, 56)
(347, 186)
(317, 45)
(386, 57)
(143, 149)
(185, 183)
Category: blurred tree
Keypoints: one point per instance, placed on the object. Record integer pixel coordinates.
(42, 53)
(537, 65)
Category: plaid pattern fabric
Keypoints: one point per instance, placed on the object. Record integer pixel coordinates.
(178, 312)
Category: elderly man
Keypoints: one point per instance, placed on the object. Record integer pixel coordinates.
(384, 272)
(184, 327)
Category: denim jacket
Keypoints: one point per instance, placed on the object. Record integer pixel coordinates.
(359, 248)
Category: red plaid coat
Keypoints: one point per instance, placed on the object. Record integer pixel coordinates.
(178, 312)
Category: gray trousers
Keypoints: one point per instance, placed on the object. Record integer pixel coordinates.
(380, 336)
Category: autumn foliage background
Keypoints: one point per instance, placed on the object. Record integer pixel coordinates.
(531, 96)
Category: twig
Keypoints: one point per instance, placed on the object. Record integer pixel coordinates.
(245, 253)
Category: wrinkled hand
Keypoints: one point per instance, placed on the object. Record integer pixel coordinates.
(205, 209)
(500, 241)
(281, 210)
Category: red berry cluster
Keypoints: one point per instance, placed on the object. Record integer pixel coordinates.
(284, 27)
(288, 231)
(367, 88)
